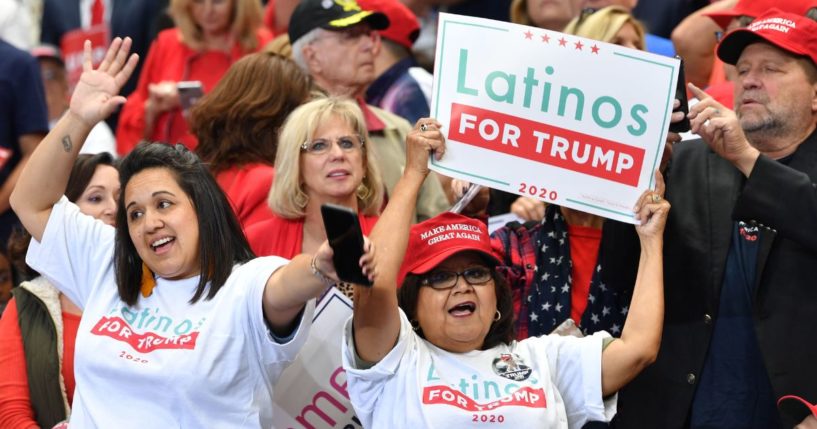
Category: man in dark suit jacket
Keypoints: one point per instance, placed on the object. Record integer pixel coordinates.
(136, 19)
(740, 327)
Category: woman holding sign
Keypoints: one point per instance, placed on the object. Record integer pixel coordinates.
(440, 352)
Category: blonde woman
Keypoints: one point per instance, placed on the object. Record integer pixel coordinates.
(323, 156)
(210, 35)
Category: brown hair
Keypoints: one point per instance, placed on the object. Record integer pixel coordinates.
(237, 123)
(246, 19)
(519, 12)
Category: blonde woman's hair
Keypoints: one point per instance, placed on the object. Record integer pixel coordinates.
(287, 197)
(246, 19)
(604, 24)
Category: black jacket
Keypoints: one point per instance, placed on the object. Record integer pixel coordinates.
(707, 195)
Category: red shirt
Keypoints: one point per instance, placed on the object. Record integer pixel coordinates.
(15, 400)
(247, 188)
(584, 251)
(171, 60)
(284, 237)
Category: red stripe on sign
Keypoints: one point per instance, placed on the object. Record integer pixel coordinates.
(524, 397)
(546, 144)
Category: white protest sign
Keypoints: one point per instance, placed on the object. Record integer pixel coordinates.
(568, 120)
(311, 392)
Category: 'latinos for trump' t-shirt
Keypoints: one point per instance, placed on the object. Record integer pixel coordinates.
(548, 381)
(163, 363)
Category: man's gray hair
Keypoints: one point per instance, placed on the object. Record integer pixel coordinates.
(298, 47)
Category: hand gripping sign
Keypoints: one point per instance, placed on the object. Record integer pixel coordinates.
(567, 120)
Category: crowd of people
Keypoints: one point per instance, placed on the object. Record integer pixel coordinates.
(162, 248)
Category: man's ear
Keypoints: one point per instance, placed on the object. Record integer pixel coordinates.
(312, 59)
(377, 44)
(814, 98)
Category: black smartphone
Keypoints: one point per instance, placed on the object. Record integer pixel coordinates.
(346, 238)
(189, 93)
(681, 94)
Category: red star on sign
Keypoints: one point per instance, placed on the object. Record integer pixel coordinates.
(562, 42)
(528, 35)
(546, 38)
(578, 45)
(595, 49)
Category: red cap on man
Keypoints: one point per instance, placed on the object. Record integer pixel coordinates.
(755, 8)
(436, 239)
(403, 25)
(791, 32)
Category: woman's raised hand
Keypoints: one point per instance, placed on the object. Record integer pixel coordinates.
(423, 140)
(652, 210)
(96, 95)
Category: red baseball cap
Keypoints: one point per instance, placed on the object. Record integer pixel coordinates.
(793, 405)
(436, 239)
(403, 25)
(753, 8)
(788, 31)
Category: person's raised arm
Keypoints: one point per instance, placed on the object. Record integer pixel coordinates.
(289, 288)
(719, 127)
(694, 39)
(43, 180)
(376, 320)
(640, 339)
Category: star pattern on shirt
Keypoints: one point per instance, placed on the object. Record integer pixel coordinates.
(548, 298)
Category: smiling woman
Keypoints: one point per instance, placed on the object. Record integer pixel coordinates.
(176, 308)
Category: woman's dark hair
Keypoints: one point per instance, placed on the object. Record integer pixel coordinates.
(237, 122)
(81, 174)
(221, 241)
(502, 331)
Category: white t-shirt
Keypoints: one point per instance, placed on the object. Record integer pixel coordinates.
(540, 382)
(163, 363)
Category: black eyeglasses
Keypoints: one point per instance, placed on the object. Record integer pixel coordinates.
(448, 279)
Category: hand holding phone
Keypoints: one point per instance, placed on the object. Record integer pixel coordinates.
(681, 94)
(346, 239)
(189, 93)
